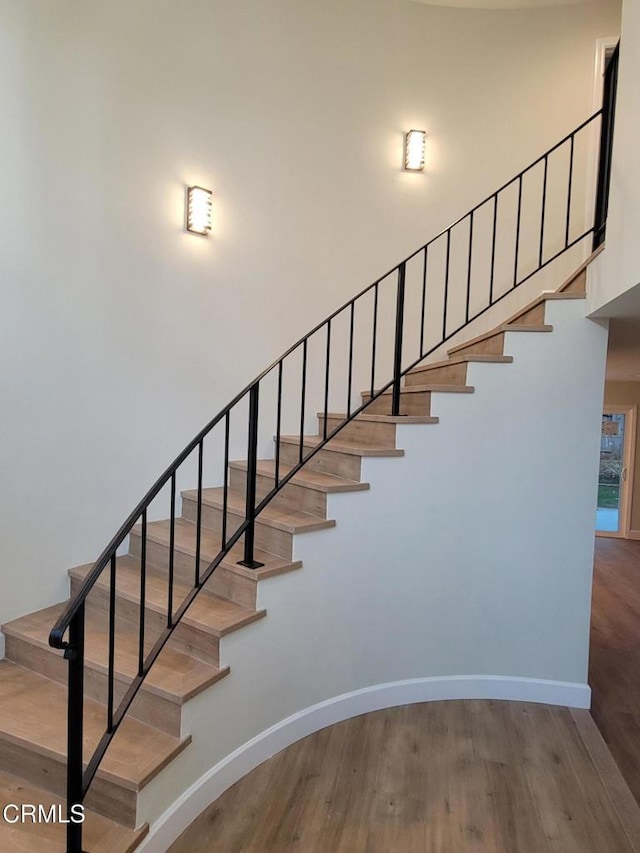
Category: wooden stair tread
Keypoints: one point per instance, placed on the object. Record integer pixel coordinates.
(431, 387)
(33, 714)
(185, 541)
(289, 520)
(462, 359)
(557, 295)
(545, 296)
(100, 835)
(500, 330)
(175, 675)
(310, 479)
(337, 446)
(209, 612)
(384, 419)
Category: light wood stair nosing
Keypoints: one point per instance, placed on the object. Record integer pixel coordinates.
(382, 419)
(500, 330)
(335, 446)
(431, 388)
(470, 358)
(304, 478)
(545, 296)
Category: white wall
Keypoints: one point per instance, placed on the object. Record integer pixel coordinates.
(121, 334)
(614, 280)
(480, 565)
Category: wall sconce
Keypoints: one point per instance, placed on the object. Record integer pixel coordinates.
(414, 142)
(199, 204)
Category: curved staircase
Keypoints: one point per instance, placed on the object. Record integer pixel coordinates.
(33, 700)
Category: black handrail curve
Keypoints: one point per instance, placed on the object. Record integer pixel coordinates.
(71, 620)
(62, 624)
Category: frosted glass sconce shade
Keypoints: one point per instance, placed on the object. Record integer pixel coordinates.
(414, 143)
(199, 204)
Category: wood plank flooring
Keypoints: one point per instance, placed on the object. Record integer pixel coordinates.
(614, 672)
(448, 777)
(440, 777)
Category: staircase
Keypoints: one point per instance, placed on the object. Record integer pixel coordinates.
(141, 632)
(33, 698)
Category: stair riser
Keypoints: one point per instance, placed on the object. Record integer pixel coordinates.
(185, 638)
(489, 346)
(147, 707)
(267, 538)
(223, 582)
(342, 464)
(448, 374)
(577, 285)
(367, 432)
(158, 558)
(104, 797)
(416, 403)
(533, 317)
(292, 496)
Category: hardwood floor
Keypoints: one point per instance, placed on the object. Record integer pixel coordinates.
(461, 777)
(441, 777)
(614, 672)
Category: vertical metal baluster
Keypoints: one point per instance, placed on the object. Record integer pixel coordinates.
(515, 265)
(601, 209)
(374, 337)
(466, 313)
(143, 590)
(569, 190)
(397, 359)
(542, 213)
(350, 378)
(278, 425)
(172, 549)
(326, 381)
(75, 726)
(493, 248)
(612, 89)
(424, 299)
(112, 642)
(225, 493)
(446, 286)
(199, 517)
(302, 397)
(252, 474)
(599, 212)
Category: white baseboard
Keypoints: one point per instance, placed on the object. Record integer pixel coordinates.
(240, 762)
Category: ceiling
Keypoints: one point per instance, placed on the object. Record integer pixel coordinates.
(502, 4)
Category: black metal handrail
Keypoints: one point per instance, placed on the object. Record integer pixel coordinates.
(483, 236)
(606, 145)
